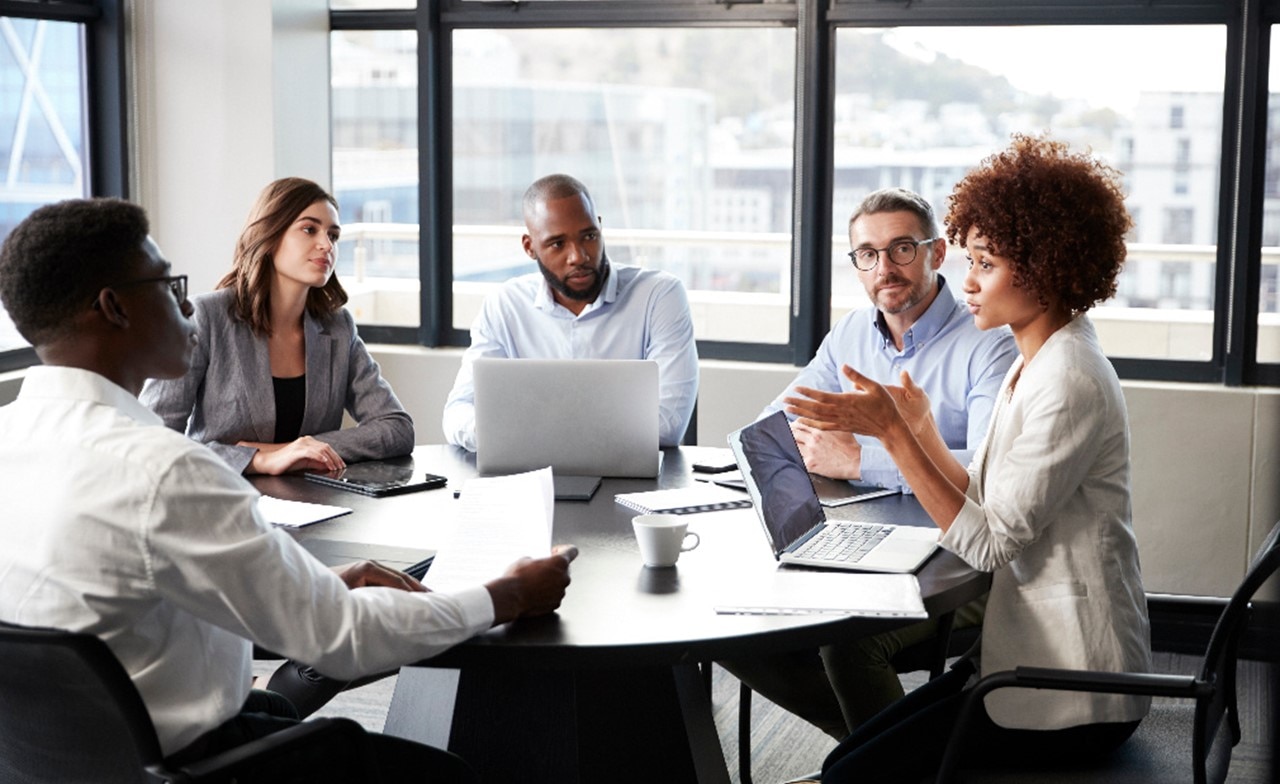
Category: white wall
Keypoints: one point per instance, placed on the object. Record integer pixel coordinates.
(227, 97)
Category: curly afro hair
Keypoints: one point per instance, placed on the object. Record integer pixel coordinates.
(54, 263)
(1058, 217)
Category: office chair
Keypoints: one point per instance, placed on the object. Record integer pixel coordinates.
(929, 655)
(70, 713)
(1146, 755)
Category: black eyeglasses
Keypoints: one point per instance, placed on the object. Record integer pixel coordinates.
(177, 286)
(901, 252)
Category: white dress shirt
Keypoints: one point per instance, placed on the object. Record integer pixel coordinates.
(640, 314)
(1048, 512)
(117, 526)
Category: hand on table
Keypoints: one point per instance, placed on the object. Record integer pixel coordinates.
(302, 454)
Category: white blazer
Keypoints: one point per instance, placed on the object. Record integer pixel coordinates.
(1048, 512)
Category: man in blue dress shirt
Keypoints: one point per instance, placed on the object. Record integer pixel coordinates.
(580, 306)
(917, 325)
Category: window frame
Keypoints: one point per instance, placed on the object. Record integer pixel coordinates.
(106, 114)
(1245, 94)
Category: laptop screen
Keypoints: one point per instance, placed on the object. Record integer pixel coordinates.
(587, 417)
(776, 479)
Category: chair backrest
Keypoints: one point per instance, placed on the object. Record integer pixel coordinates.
(68, 711)
(1219, 666)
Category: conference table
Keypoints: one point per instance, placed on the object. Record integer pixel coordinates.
(609, 688)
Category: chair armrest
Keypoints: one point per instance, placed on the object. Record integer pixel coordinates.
(328, 732)
(1153, 684)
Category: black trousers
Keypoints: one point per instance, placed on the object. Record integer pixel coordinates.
(393, 759)
(905, 741)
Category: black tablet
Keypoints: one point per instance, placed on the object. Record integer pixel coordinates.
(379, 478)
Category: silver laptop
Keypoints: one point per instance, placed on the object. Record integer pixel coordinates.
(594, 417)
(794, 521)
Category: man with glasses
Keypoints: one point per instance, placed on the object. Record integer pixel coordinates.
(119, 526)
(917, 325)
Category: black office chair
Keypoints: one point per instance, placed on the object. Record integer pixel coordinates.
(70, 713)
(929, 655)
(1150, 755)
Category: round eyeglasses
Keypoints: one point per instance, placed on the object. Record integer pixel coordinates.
(900, 252)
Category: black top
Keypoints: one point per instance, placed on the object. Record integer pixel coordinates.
(291, 401)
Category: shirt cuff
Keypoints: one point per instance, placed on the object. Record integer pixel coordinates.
(476, 606)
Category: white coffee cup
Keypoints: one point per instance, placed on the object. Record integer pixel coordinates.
(662, 537)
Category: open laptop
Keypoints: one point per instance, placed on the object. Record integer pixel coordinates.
(794, 521)
(592, 417)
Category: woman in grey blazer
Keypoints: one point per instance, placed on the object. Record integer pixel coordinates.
(278, 359)
(1045, 503)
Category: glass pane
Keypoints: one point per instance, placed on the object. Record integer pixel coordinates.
(371, 5)
(918, 107)
(375, 172)
(1269, 292)
(683, 137)
(42, 98)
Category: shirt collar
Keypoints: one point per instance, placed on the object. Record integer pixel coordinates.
(927, 326)
(68, 383)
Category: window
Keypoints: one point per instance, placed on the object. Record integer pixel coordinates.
(918, 107)
(685, 119)
(683, 137)
(48, 149)
(1269, 276)
(374, 88)
(42, 153)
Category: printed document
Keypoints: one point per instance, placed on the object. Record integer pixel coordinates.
(501, 519)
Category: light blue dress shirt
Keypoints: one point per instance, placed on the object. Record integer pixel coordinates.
(959, 366)
(640, 314)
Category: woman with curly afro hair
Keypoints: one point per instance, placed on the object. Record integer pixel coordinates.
(1045, 504)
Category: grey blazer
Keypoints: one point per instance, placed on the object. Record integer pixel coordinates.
(227, 395)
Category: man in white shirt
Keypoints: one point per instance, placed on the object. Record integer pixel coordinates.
(118, 526)
(580, 306)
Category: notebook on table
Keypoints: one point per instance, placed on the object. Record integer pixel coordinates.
(589, 417)
(684, 500)
(831, 492)
(794, 521)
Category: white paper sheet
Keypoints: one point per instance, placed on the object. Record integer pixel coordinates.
(796, 592)
(295, 514)
(501, 519)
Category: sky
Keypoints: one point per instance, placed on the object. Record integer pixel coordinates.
(1083, 61)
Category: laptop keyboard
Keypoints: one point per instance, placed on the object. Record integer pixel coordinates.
(846, 543)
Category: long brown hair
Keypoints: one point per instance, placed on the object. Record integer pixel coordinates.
(277, 207)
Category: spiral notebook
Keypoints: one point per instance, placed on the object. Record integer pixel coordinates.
(684, 500)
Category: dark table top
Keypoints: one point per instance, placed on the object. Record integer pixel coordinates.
(617, 612)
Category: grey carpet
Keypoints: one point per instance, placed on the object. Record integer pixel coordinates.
(784, 747)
